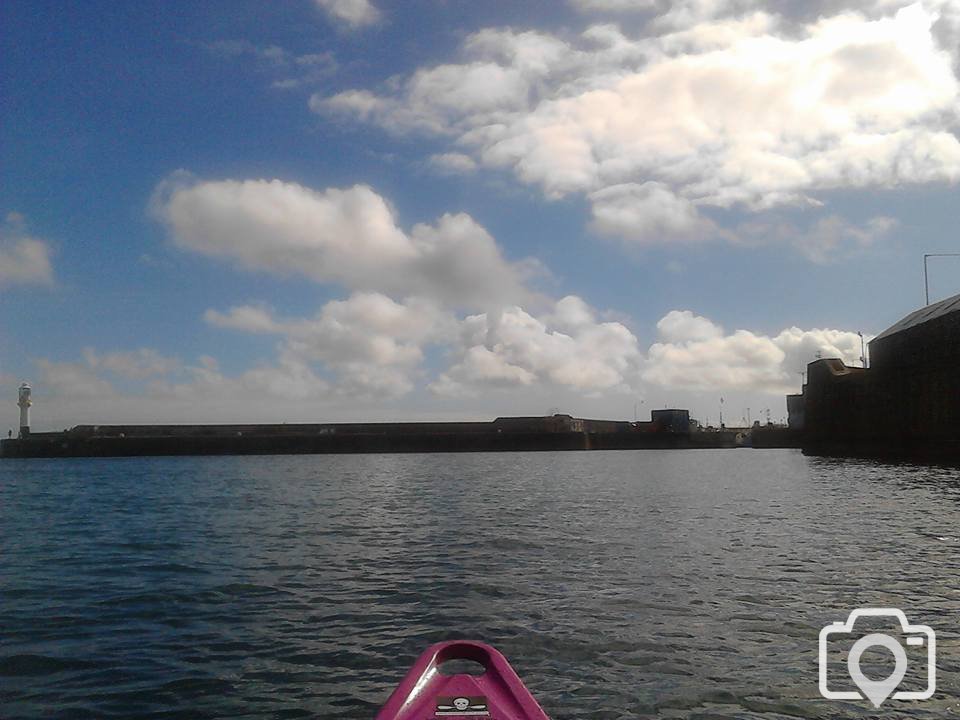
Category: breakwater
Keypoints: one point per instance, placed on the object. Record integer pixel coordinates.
(558, 432)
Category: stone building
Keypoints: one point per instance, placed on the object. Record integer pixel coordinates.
(907, 403)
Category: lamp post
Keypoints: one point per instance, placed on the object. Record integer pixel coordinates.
(926, 281)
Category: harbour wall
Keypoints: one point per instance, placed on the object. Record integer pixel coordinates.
(138, 440)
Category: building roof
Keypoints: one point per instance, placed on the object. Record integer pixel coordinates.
(930, 312)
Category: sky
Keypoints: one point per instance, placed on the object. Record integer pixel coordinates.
(336, 210)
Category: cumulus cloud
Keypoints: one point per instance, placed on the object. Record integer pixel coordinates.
(72, 380)
(831, 233)
(349, 237)
(671, 12)
(306, 70)
(373, 344)
(269, 54)
(452, 163)
(287, 379)
(356, 355)
(681, 326)
(721, 105)
(408, 290)
(693, 353)
(823, 241)
(294, 70)
(135, 365)
(246, 318)
(89, 376)
(165, 388)
(566, 347)
(612, 5)
(684, 13)
(24, 260)
(376, 346)
(648, 212)
(352, 13)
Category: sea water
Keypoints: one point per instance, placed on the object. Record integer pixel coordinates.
(631, 584)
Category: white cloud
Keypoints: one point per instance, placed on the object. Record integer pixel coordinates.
(685, 13)
(453, 163)
(71, 380)
(746, 110)
(567, 347)
(371, 342)
(308, 69)
(356, 357)
(354, 103)
(246, 318)
(288, 379)
(84, 379)
(375, 345)
(801, 346)
(406, 290)
(268, 54)
(353, 13)
(612, 5)
(136, 365)
(825, 240)
(294, 70)
(648, 213)
(680, 13)
(451, 99)
(694, 353)
(24, 260)
(681, 326)
(348, 237)
(67, 393)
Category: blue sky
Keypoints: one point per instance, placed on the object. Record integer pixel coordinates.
(336, 210)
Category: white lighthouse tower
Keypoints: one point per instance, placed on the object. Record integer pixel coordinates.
(24, 402)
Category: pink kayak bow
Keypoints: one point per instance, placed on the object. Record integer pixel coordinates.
(427, 694)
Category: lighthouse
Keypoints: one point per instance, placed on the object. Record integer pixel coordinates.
(24, 402)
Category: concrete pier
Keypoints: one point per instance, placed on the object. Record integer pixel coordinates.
(555, 432)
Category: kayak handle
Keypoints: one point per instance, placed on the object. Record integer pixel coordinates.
(473, 651)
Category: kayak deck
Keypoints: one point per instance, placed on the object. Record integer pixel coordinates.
(426, 692)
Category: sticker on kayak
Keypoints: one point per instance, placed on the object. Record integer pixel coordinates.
(461, 705)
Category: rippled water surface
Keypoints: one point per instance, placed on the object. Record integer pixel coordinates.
(673, 584)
